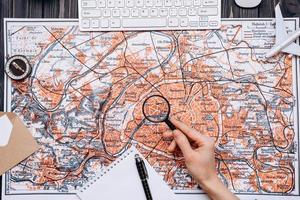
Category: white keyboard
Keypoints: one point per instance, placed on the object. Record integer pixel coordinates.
(127, 15)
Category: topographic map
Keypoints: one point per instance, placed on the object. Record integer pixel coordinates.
(83, 104)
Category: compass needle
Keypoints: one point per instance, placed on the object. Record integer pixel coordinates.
(18, 67)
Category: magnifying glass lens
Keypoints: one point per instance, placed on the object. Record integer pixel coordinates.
(156, 109)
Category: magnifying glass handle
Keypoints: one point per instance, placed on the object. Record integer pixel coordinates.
(171, 126)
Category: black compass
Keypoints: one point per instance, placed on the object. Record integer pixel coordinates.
(18, 67)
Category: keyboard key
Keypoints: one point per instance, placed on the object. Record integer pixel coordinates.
(115, 23)
(144, 22)
(149, 3)
(210, 2)
(203, 19)
(139, 3)
(208, 11)
(177, 3)
(153, 12)
(85, 23)
(182, 12)
(120, 3)
(192, 11)
(163, 12)
(144, 12)
(130, 3)
(194, 23)
(197, 2)
(168, 3)
(184, 22)
(203, 24)
(116, 13)
(188, 2)
(106, 13)
(158, 3)
(110, 3)
(89, 4)
(125, 12)
(102, 4)
(134, 13)
(95, 23)
(173, 22)
(173, 11)
(213, 23)
(104, 23)
(91, 13)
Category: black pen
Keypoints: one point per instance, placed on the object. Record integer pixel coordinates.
(141, 168)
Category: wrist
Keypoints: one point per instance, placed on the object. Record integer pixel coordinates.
(215, 189)
(209, 182)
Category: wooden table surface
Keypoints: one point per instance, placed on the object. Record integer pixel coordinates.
(68, 9)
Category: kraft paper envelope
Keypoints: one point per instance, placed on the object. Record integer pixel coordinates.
(16, 142)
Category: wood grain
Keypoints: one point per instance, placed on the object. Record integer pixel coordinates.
(68, 9)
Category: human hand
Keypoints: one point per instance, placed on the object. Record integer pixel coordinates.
(197, 149)
(198, 152)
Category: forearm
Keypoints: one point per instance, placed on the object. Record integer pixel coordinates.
(216, 190)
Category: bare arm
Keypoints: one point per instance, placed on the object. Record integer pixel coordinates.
(200, 160)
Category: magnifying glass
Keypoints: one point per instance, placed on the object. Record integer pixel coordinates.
(156, 109)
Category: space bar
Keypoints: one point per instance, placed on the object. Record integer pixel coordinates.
(136, 23)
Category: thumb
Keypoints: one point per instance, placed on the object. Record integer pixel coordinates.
(182, 142)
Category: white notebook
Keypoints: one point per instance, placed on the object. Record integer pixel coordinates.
(121, 181)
